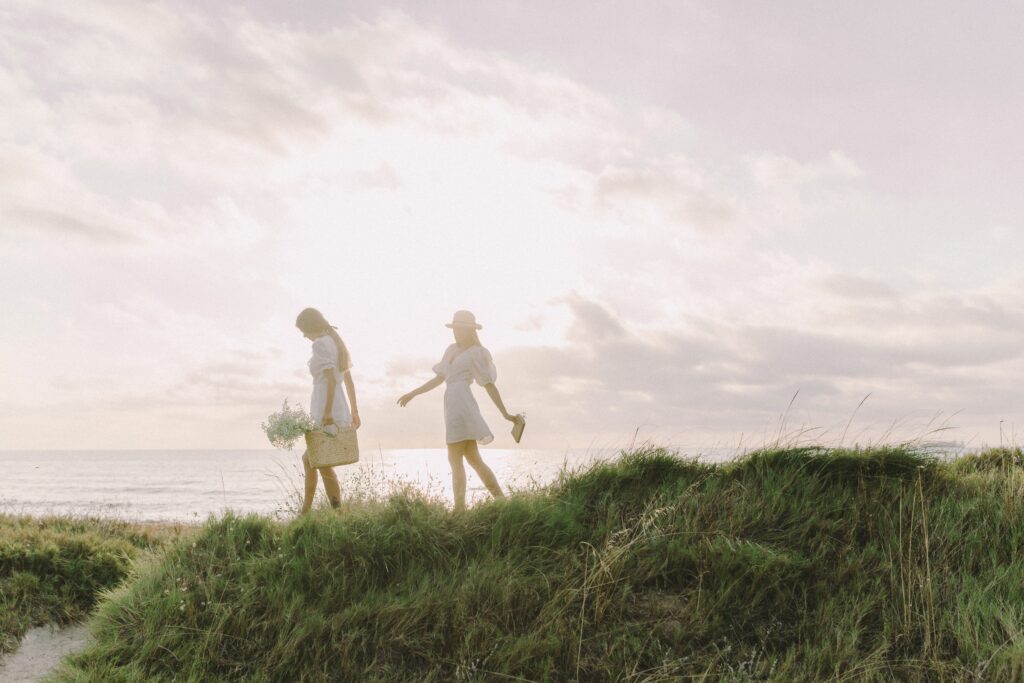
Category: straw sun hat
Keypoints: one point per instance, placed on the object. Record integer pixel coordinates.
(464, 319)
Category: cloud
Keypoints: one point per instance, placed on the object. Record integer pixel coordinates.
(593, 323)
(40, 219)
(672, 187)
(184, 107)
(382, 177)
(219, 172)
(723, 378)
(850, 286)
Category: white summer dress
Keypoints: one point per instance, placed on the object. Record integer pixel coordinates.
(462, 419)
(325, 356)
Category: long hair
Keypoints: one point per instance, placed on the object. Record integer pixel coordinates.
(312, 321)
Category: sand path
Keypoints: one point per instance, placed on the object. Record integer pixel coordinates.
(40, 652)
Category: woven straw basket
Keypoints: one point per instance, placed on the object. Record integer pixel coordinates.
(327, 449)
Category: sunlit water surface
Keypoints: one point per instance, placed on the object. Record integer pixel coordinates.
(188, 486)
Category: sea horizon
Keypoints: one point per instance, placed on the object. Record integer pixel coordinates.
(189, 485)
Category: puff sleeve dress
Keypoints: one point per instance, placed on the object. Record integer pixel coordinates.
(325, 357)
(460, 368)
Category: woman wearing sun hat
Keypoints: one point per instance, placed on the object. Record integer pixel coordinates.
(464, 362)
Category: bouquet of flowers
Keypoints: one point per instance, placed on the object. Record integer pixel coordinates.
(288, 426)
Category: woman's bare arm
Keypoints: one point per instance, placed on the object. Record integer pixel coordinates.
(328, 418)
(492, 391)
(350, 389)
(422, 389)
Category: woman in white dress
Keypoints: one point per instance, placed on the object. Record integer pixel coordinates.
(329, 366)
(464, 362)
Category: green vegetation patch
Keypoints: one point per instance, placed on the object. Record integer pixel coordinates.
(53, 570)
(787, 565)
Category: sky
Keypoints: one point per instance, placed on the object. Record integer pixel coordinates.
(686, 223)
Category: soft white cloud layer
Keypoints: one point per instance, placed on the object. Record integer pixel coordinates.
(178, 181)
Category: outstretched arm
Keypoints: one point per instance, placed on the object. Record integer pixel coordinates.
(492, 391)
(422, 389)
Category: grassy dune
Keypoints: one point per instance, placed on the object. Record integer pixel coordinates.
(52, 571)
(787, 565)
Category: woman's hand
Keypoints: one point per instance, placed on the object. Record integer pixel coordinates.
(327, 420)
(355, 419)
(427, 386)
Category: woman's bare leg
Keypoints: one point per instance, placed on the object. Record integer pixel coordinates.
(310, 490)
(485, 473)
(331, 486)
(455, 451)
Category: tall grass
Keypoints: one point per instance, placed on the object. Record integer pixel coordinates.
(789, 564)
(53, 570)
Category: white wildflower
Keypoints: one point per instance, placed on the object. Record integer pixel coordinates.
(288, 426)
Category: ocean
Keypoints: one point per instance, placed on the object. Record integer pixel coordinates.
(191, 485)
